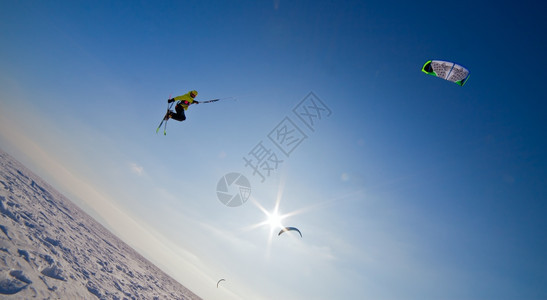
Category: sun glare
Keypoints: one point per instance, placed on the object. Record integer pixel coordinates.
(274, 220)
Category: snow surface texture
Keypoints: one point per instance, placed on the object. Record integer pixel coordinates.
(50, 249)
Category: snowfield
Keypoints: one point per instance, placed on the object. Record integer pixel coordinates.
(51, 249)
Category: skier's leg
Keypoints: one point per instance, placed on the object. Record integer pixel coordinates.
(179, 116)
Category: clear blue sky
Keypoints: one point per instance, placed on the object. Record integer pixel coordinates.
(413, 188)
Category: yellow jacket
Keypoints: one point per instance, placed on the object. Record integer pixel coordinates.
(186, 99)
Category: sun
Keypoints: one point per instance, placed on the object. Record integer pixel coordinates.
(274, 220)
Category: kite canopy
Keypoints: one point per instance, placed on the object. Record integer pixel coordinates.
(220, 281)
(446, 70)
(290, 229)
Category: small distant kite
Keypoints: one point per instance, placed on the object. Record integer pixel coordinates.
(290, 229)
(446, 70)
(220, 281)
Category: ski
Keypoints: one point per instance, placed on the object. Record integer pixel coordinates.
(164, 120)
(165, 124)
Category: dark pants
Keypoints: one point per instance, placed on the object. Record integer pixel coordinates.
(179, 116)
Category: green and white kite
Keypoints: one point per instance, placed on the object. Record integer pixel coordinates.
(446, 70)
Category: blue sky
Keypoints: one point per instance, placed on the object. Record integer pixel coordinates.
(413, 188)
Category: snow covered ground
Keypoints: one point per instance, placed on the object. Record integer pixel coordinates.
(50, 249)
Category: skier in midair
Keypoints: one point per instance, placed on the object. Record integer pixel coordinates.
(183, 102)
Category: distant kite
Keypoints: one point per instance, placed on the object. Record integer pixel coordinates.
(290, 229)
(220, 281)
(446, 70)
